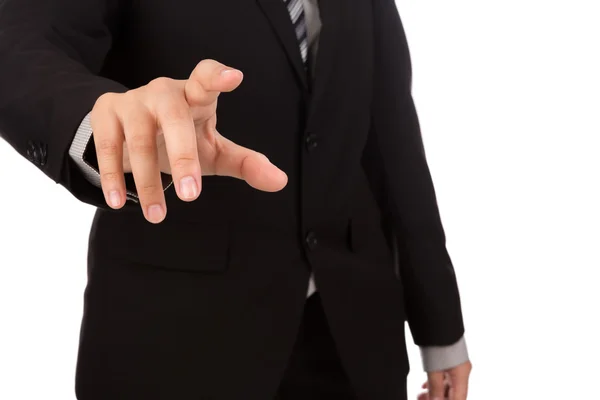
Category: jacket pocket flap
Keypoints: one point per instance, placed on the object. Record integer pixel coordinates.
(171, 244)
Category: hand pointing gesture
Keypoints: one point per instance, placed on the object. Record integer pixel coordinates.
(170, 126)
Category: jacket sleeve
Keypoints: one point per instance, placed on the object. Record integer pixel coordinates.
(395, 163)
(51, 55)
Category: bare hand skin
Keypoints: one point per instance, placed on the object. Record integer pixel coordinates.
(452, 384)
(170, 126)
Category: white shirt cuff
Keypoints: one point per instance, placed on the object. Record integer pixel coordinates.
(77, 151)
(441, 358)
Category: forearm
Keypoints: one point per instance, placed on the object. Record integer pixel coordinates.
(49, 61)
(395, 162)
(425, 267)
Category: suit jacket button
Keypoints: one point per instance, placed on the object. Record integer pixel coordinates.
(37, 153)
(42, 154)
(311, 240)
(311, 141)
(32, 152)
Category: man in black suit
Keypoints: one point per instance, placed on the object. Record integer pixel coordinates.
(290, 285)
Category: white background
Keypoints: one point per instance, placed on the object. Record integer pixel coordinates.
(509, 98)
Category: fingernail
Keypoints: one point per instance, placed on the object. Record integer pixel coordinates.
(114, 198)
(188, 187)
(264, 158)
(155, 213)
(226, 72)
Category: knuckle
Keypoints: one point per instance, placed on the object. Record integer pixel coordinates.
(110, 177)
(161, 84)
(174, 114)
(145, 190)
(183, 162)
(130, 97)
(141, 148)
(129, 105)
(208, 62)
(105, 100)
(194, 91)
(205, 69)
(107, 147)
(138, 117)
(103, 108)
(141, 144)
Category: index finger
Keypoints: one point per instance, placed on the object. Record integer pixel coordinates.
(209, 79)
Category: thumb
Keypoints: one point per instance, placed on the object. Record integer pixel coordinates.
(436, 385)
(242, 163)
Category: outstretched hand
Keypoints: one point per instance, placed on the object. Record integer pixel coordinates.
(170, 126)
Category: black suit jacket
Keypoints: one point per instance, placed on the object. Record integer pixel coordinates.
(350, 143)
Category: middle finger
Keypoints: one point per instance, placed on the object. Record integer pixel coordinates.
(140, 135)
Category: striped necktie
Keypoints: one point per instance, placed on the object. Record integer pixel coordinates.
(296, 10)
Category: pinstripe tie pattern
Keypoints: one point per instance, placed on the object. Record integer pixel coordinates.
(296, 10)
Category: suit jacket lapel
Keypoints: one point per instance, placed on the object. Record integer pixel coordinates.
(279, 18)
